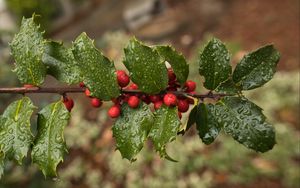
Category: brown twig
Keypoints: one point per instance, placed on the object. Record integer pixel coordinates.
(59, 90)
(64, 90)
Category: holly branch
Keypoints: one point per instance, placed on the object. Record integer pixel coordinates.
(65, 90)
(154, 74)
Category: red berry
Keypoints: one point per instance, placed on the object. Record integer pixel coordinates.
(81, 84)
(170, 99)
(179, 115)
(95, 102)
(171, 75)
(28, 85)
(114, 111)
(181, 97)
(69, 103)
(146, 99)
(172, 88)
(133, 101)
(123, 78)
(125, 97)
(154, 98)
(132, 86)
(174, 84)
(190, 86)
(116, 100)
(87, 92)
(190, 100)
(183, 105)
(157, 105)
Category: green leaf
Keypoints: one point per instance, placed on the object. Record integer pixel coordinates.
(98, 73)
(214, 64)
(228, 87)
(164, 130)
(131, 130)
(2, 158)
(176, 60)
(27, 48)
(192, 118)
(61, 63)
(49, 145)
(15, 132)
(146, 67)
(245, 122)
(256, 68)
(191, 121)
(207, 125)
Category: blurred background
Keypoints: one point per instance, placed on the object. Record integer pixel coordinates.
(92, 161)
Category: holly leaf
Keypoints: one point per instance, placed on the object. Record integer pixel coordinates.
(146, 67)
(27, 48)
(61, 63)
(164, 130)
(98, 72)
(49, 144)
(245, 122)
(2, 158)
(228, 87)
(256, 68)
(207, 123)
(214, 64)
(131, 130)
(176, 60)
(191, 121)
(192, 118)
(16, 136)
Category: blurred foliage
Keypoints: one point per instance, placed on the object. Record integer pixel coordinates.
(6, 76)
(93, 162)
(46, 8)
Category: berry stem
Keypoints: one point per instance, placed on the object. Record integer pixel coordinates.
(63, 90)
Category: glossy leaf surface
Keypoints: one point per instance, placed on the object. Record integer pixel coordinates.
(147, 69)
(192, 118)
(176, 60)
(214, 64)
(27, 48)
(15, 132)
(228, 87)
(131, 130)
(49, 145)
(256, 68)
(207, 125)
(61, 63)
(245, 122)
(97, 71)
(164, 129)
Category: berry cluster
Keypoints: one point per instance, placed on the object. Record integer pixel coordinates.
(69, 103)
(182, 102)
(133, 99)
(168, 98)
